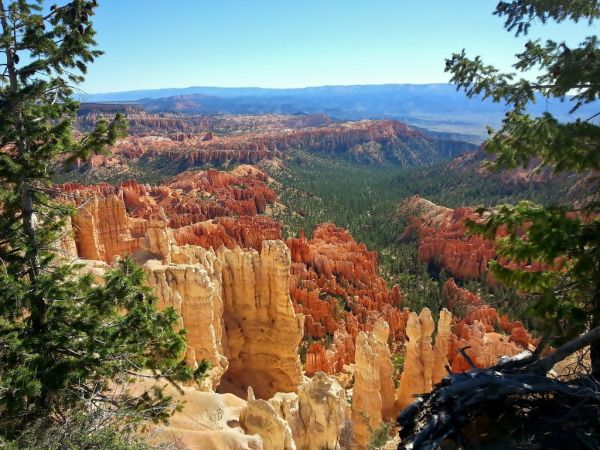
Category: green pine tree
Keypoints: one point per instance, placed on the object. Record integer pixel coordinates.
(63, 341)
(567, 238)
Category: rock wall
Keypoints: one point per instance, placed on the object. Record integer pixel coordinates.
(444, 242)
(324, 415)
(102, 230)
(194, 291)
(236, 307)
(263, 331)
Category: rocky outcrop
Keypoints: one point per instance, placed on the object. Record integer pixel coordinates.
(425, 365)
(417, 374)
(445, 243)
(324, 415)
(102, 229)
(458, 299)
(443, 341)
(263, 331)
(334, 281)
(236, 307)
(314, 418)
(262, 418)
(373, 391)
(206, 420)
(194, 291)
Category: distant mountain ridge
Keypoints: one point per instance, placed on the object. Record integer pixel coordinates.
(436, 107)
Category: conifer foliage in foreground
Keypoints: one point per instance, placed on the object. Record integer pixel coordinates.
(64, 341)
(565, 298)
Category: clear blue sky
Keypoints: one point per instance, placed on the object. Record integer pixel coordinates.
(295, 43)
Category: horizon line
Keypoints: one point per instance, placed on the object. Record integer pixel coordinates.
(265, 88)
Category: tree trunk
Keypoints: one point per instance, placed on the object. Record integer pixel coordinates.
(595, 346)
(27, 204)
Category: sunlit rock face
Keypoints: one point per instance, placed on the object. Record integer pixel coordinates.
(265, 419)
(195, 293)
(207, 421)
(236, 307)
(263, 331)
(418, 366)
(206, 208)
(373, 391)
(324, 414)
(318, 416)
(426, 364)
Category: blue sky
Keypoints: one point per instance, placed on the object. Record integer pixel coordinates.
(288, 43)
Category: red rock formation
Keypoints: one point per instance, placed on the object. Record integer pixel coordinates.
(443, 241)
(207, 208)
(199, 140)
(479, 318)
(457, 298)
(336, 285)
(334, 280)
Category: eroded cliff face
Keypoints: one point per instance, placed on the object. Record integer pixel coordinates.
(199, 207)
(194, 291)
(263, 331)
(318, 416)
(373, 391)
(444, 241)
(426, 364)
(197, 140)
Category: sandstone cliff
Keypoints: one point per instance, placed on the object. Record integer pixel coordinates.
(418, 366)
(373, 391)
(263, 331)
(425, 365)
(236, 307)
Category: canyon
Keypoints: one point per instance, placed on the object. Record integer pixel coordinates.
(177, 142)
(292, 329)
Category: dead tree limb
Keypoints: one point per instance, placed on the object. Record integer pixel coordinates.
(511, 405)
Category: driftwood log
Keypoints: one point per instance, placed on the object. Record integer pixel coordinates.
(513, 405)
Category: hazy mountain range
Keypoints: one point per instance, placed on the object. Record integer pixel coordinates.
(437, 107)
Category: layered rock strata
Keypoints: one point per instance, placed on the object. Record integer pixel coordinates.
(236, 307)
